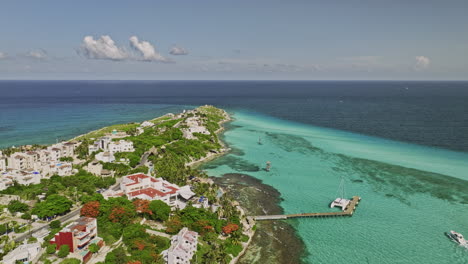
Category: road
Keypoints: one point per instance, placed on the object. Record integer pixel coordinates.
(62, 219)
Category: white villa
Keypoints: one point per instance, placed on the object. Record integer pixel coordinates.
(121, 146)
(106, 144)
(183, 247)
(141, 186)
(146, 124)
(105, 156)
(25, 253)
(194, 126)
(2, 163)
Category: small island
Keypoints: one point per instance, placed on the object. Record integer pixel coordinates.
(128, 193)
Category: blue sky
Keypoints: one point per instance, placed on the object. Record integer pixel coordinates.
(238, 40)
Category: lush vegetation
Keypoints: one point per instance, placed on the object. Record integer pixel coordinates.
(54, 205)
(17, 206)
(72, 186)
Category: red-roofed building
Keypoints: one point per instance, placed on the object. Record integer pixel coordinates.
(142, 186)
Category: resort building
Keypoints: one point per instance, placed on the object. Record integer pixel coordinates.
(17, 161)
(141, 186)
(26, 253)
(146, 124)
(121, 146)
(78, 236)
(107, 145)
(194, 126)
(183, 247)
(5, 183)
(105, 157)
(3, 166)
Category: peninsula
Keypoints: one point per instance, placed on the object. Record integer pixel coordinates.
(128, 193)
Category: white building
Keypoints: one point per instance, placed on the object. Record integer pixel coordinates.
(3, 166)
(147, 124)
(25, 253)
(121, 146)
(141, 186)
(194, 126)
(94, 167)
(17, 161)
(183, 247)
(105, 157)
(5, 183)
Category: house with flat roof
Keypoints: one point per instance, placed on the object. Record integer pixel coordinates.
(183, 247)
(25, 253)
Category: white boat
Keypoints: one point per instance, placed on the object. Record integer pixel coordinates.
(457, 237)
(340, 201)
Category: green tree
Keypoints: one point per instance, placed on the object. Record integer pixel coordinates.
(63, 251)
(53, 205)
(51, 248)
(116, 256)
(94, 248)
(160, 210)
(26, 216)
(17, 206)
(54, 224)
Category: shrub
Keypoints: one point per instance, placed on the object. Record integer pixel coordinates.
(55, 224)
(63, 251)
(51, 249)
(17, 206)
(94, 248)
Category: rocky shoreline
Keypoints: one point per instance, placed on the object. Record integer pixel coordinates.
(273, 241)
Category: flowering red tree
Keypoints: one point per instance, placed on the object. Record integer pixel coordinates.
(121, 214)
(90, 209)
(134, 262)
(229, 228)
(139, 244)
(142, 206)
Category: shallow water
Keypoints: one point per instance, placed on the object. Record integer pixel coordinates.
(410, 194)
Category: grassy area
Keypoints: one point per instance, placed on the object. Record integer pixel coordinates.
(128, 128)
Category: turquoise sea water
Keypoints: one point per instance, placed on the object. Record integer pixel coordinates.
(42, 123)
(411, 194)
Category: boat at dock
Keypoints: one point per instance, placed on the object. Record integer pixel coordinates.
(340, 201)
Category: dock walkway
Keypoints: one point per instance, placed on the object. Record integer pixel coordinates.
(347, 212)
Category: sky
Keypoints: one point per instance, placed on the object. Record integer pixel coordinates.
(234, 40)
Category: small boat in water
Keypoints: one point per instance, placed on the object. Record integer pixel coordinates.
(260, 141)
(458, 238)
(268, 166)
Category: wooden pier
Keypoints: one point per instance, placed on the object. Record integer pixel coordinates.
(347, 212)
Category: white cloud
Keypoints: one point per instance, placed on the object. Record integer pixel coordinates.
(175, 50)
(37, 54)
(147, 50)
(102, 48)
(3, 55)
(422, 62)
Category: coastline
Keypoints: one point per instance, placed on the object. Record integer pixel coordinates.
(270, 241)
(212, 156)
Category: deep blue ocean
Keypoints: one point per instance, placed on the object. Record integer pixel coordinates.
(426, 113)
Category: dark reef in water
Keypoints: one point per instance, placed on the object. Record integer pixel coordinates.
(234, 162)
(274, 241)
